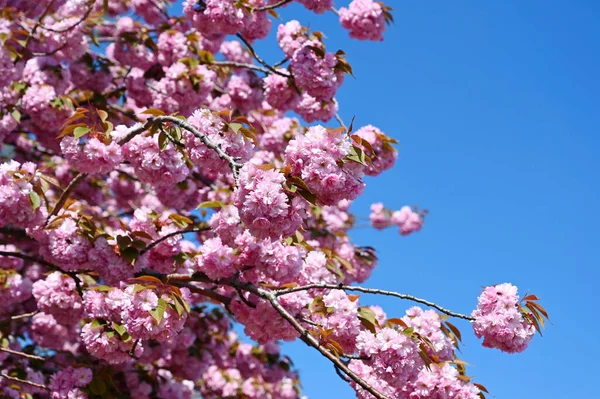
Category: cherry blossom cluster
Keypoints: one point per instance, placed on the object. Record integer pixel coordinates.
(365, 19)
(264, 206)
(67, 383)
(315, 157)
(499, 320)
(57, 295)
(20, 205)
(397, 365)
(407, 220)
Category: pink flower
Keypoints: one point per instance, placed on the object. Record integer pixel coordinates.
(16, 193)
(312, 109)
(317, 6)
(383, 155)
(291, 37)
(263, 205)
(93, 156)
(364, 19)
(280, 92)
(215, 16)
(315, 157)
(57, 295)
(499, 321)
(314, 72)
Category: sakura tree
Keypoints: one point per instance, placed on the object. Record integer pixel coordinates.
(159, 181)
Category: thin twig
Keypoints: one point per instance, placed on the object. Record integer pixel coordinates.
(30, 258)
(272, 6)
(49, 53)
(83, 18)
(235, 64)
(34, 29)
(22, 354)
(340, 121)
(15, 379)
(280, 63)
(49, 265)
(162, 10)
(373, 291)
(166, 236)
(24, 315)
(339, 373)
(260, 60)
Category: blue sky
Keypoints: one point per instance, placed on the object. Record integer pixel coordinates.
(496, 107)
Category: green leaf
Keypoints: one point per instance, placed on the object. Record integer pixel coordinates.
(96, 323)
(206, 56)
(80, 131)
(119, 329)
(138, 287)
(159, 312)
(16, 115)
(94, 39)
(101, 288)
(102, 114)
(357, 155)
(35, 200)
(178, 307)
(235, 127)
(211, 204)
(368, 318)
(409, 331)
(163, 140)
(180, 220)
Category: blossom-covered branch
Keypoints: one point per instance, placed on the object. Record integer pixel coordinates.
(151, 196)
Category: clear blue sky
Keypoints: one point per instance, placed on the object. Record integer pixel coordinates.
(496, 107)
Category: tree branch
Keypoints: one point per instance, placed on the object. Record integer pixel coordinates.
(260, 60)
(15, 379)
(24, 315)
(161, 239)
(272, 299)
(309, 339)
(49, 265)
(241, 65)
(340, 121)
(232, 161)
(22, 354)
(272, 6)
(373, 291)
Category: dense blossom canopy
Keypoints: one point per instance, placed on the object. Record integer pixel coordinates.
(155, 188)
